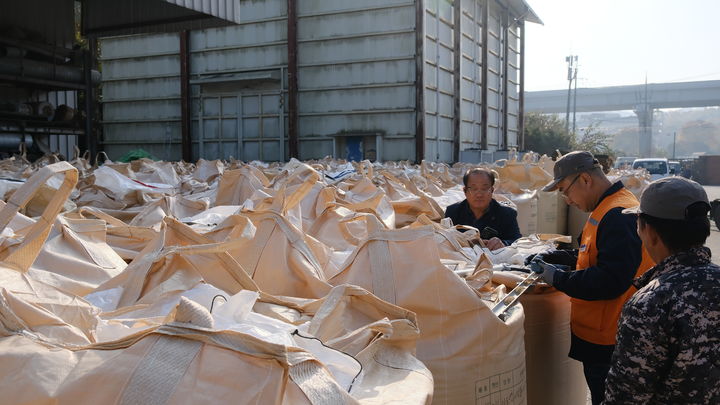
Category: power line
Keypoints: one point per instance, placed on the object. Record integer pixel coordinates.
(693, 77)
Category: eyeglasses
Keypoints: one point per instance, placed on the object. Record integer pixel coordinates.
(565, 192)
(478, 190)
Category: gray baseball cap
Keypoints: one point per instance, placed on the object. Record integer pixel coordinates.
(571, 163)
(669, 198)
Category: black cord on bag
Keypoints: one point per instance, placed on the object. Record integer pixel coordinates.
(212, 304)
(297, 333)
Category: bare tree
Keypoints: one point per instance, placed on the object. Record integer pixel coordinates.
(593, 140)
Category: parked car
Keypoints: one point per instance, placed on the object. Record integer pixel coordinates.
(675, 167)
(657, 167)
(624, 162)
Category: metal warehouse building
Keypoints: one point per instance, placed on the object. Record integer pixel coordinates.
(374, 79)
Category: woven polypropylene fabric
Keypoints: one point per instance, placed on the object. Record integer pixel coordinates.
(158, 373)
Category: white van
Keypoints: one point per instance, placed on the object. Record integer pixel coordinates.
(658, 167)
(624, 162)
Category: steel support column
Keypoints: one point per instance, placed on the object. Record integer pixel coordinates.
(185, 119)
(457, 35)
(644, 113)
(505, 61)
(521, 101)
(292, 102)
(90, 58)
(419, 81)
(484, 75)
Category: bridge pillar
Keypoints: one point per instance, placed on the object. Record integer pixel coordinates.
(644, 113)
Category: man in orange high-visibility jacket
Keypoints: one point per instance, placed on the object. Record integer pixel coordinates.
(609, 258)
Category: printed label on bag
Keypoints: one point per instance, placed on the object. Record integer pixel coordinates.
(507, 388)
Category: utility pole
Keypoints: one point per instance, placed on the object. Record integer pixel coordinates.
(575, 93)
(572, 72)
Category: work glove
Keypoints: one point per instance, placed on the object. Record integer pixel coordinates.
(546, 270)
(563, 257)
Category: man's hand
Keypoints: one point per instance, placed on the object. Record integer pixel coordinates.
(547, 270)
(493, 243)
(564, 257)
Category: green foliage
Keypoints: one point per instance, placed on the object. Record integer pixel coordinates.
(546, 133)
(595, 141)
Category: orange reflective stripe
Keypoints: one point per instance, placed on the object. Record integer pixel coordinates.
(596, 321)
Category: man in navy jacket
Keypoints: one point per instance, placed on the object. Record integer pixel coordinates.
(497, 223)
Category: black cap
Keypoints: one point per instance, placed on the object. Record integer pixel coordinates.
(669, 198)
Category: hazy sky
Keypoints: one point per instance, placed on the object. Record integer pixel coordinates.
(619, 42)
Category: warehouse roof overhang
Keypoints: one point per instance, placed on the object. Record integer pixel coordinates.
(523, 11)
(112, 17)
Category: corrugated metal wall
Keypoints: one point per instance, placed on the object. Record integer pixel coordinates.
(439, 79)
(439, 76)
(513, 85)
(357, 77)
(356, 82)
(239, 87)
(141, 95)
(495, 80)
(231, 116)
(471, 46)
(503, 47)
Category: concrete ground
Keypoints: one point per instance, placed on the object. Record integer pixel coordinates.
(713, 241)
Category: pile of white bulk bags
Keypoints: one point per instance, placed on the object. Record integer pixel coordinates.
(338, 278)
(184, 322)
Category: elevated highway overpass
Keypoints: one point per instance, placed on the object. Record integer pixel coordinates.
(643, 99)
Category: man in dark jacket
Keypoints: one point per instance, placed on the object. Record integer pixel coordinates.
(668, 342)
(497, 223)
